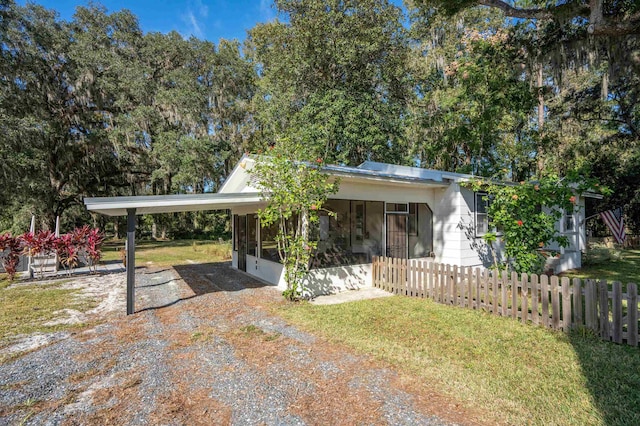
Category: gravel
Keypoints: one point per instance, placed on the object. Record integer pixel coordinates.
(202, 349)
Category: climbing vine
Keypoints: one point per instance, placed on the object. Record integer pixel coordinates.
(295, 192)
(524, 217)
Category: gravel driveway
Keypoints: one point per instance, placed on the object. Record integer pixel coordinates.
(205, 348)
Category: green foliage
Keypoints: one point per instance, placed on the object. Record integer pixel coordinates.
(94, 107)
(334, 76)
(295, 191)
(473, 106)
(525, 216)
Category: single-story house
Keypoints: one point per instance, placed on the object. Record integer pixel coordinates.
(380, 209)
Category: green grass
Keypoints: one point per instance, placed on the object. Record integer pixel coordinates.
(625, 269)
(27, 307)
(517, 373)
(168, 253)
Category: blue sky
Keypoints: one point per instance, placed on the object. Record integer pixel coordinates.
(205, 19)
(208, 19)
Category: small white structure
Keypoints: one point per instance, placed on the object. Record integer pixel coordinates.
(380, 209)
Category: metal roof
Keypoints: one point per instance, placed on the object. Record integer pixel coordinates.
(146, 204)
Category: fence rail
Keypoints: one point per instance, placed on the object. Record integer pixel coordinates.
(553, 302)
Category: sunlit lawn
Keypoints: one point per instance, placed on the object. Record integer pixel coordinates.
(167, 253)
(626, 269)
(514, 373)
(26, 308)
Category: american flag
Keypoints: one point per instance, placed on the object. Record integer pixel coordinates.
(615, 222)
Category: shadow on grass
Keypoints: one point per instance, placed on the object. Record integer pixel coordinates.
(612, 375)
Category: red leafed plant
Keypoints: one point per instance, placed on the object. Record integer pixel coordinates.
(67, 251)
(40, 244)
(10, 249)
(93, 247)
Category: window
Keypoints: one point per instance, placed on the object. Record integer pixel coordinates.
(252, 234)
(397, 207)
(413, 219)
(235, 232)
(482, 218)
(351, 235)
(420, 230)
(268, 243)
(568, 222)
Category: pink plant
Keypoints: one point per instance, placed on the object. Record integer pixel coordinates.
(67, 251)
(93, 246)
(10, 249)
(38, 244)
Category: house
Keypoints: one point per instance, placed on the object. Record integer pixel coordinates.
(380, 209)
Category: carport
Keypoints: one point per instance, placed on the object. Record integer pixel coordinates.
(150, 204)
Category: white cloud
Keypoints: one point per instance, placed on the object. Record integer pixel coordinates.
(266, 11)
(192, 18)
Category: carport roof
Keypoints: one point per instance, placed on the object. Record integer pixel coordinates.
(147, 204)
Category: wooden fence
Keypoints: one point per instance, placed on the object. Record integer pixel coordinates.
(554, 302)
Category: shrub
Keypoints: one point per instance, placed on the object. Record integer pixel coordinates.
(10, 249)
(68, 252)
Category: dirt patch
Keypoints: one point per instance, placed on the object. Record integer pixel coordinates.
(192, 408)
(206, 348)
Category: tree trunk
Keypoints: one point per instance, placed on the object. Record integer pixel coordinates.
(540, 83)
(154, 229)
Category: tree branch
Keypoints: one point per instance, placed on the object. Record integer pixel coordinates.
(515, 12)
(598, 25)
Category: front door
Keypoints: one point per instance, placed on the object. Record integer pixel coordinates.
(397, 235)
(241, 230)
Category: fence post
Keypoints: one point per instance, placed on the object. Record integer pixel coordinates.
(555, 303)
(616, 305)
(632, 315)
(603, 296)
(524, 293)
(373, 272)
(494, 283)
(477, 282)
(578, 319)
(514, 295)
(504, 281)
(591, 305)
(566, 305)
(544, 288)
(534, 300)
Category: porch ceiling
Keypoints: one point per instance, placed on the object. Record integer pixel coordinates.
(147, 204)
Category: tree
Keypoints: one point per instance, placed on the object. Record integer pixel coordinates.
(295, 192)
(94, 107)
(52, 106)
(599, 17)
(472, 106)
(333, 75)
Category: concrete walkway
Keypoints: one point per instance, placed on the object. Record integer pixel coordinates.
(351, 296)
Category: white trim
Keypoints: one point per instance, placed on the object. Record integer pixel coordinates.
(146, 204)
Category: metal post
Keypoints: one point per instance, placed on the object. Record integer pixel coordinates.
(32, 229)
(131, 260)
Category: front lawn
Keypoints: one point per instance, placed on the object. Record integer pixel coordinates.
(26, 308)
(517, 374)
(623, 267)
(168, 253)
